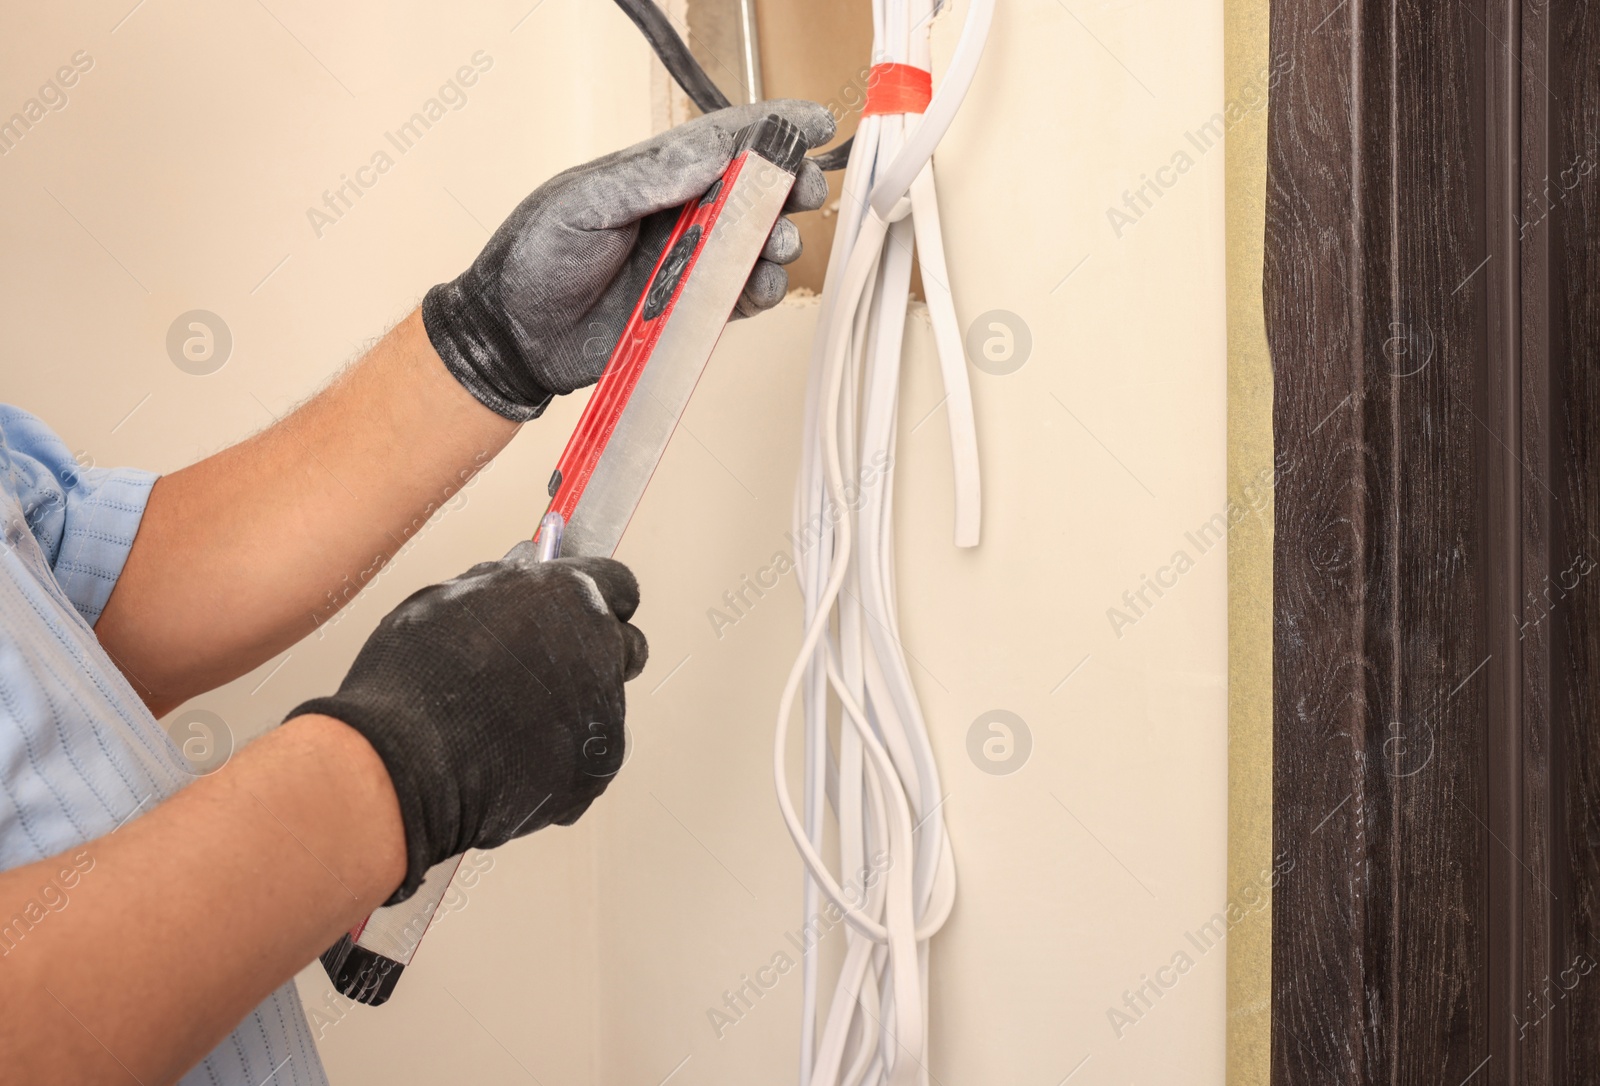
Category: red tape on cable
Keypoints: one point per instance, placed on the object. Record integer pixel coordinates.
(897, 88)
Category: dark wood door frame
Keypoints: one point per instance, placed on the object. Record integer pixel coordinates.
(1432, 291)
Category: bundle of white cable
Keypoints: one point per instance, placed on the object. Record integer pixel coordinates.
(880, 779)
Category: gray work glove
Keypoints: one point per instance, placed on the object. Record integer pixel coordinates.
(495, 700)
(541, 308)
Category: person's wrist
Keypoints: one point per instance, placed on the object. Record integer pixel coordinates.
(375, 859)
(476, 347)
(426, 824)
(441, 394)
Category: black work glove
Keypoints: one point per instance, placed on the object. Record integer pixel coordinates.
(541, 308)
(495, 700)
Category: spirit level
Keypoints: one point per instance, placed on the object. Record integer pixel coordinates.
(617, 444)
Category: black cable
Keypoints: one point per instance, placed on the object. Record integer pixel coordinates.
(688, 74)
(835, 158)
(675, 55)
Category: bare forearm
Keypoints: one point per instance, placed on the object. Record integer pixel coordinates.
(247, 551)
(182, 921)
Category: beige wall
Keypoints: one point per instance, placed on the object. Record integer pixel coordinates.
(186, 159)
(181, 171)
(1250, 456)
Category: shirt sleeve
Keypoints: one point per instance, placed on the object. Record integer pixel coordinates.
(84, 518)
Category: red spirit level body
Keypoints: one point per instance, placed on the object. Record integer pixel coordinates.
(617, 444)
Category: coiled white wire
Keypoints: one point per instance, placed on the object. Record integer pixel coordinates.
(881, 778)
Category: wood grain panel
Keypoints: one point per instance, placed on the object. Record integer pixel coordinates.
(1437, 771)
(1565, 213)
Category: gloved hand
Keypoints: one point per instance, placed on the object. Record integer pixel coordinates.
(541, 308)
(495, 700)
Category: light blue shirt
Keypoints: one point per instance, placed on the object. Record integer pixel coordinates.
(80, 754)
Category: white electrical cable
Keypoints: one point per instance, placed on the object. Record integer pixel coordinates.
(896, 874)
